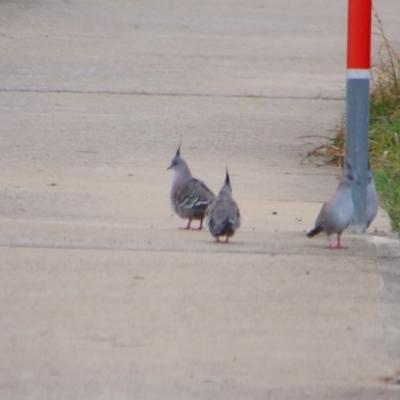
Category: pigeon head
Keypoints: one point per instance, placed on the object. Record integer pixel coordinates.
(349, 176)
(177, 159)
(226, 188)
(178, 163)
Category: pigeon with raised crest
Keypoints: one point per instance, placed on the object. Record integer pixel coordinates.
(223, 215)
(189, 196)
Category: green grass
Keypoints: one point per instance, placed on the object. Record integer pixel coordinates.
(384, 130)
(385, 159)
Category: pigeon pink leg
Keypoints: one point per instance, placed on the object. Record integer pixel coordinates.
(187, 226)
(339, 245)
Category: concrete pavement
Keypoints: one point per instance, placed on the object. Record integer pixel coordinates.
(101, 296)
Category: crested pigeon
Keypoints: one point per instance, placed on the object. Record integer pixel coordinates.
(223, 216)
(189, 196)
(372, 198)
(336, 214)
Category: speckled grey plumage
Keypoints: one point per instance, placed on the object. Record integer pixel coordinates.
(223, 215)
(189, 196)
(336, 214)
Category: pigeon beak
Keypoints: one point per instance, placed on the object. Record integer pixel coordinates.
(173, 164)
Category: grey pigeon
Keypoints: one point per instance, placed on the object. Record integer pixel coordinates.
(189, 196)
(223, 216)
(336, 214)
(372, 198)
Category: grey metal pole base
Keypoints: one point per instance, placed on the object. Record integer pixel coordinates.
(357, 129)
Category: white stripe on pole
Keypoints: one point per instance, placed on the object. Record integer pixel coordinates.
(358, 74)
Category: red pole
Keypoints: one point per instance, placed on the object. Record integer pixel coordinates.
(359, 34)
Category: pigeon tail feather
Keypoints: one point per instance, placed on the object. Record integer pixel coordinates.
(315, 231)
(222, 228)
